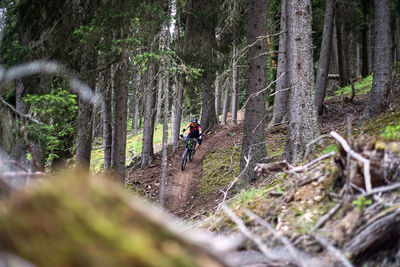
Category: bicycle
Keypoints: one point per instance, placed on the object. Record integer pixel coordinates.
(190, 149)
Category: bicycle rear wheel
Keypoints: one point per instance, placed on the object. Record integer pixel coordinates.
(184, 159)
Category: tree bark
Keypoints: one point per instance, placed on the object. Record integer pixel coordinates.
(136, 100)
(234, 86)
(253, 146)
(381, 84)
(302, 127)
(364, 39)
(85, 113)
(176, 112)
(164, 162)
(397, 27)
(121, 114)
(339, 36)
(149, 115)
(324, 57)
(107, 115)
(333, 68)
(225, 107)
(217, 96)
(20, 149)
(281, 96)
(159, 100)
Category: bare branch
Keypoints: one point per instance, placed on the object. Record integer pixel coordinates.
(366, 163)
(334, 251)
(326, 217)
(15, 111)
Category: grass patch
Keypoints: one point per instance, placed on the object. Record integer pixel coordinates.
(386, 125)
(362, 86)
(220, 167)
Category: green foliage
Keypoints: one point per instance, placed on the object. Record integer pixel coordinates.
(57, 110)
(391, 132)
(329, 149)
(361, 202)
(361, 87)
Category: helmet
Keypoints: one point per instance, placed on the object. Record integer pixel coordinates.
(194, 119)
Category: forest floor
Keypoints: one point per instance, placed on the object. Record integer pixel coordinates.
(181, 193)
(294, 203)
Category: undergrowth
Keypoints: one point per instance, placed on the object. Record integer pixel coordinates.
(220, 168)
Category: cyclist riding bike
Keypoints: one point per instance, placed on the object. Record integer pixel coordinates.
(194, 132)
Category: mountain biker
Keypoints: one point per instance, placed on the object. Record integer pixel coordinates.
(194, 131)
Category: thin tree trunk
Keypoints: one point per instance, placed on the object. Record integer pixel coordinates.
(176, 112)
(370, 48)
(397, 27)
(20, 149)
(149, 115)
(324, 57)
(381, 84)
(334, 53)
(225, 107)
(358, 60)
(85, 118)
(106, 110)
(253, 146)
(136, 100)
(121, 114)
(302, 127)
(339, 36)
(281, 96)
(164, 163)
(217, 96)
(159, 99)
(234, 86)
(364, 40)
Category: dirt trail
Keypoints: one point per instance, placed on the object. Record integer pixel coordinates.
(181, 185)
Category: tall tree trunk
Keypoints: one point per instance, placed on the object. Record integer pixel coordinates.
(324, 56)
(397, 27)
(339, 36)
(159, 99)
(358, 60)
(176, 112)
(364, 39)
(253, 146)
(334, 65)
(136, 100)
(370, 47)
(348, 57)
(149, 115)
(20, 149)
(302, 127)
(208, 117)
(164, 163)
(84, 120)
(121, 114)
(234, 100)
(281, 96)
(107, 116)
(381, 84)
(217, 96)
(226, 103)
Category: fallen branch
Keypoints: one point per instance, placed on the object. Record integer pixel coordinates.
(382, 189)
(296, 254)
(242, 228)
(334, 251)
(375, 232)
(326, 217)
(311, 163)
(352, 153)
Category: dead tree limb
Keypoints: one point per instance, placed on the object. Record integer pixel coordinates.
(373, 233)
(326, 217)
(366, 162)
(334, 251)
(295, 253)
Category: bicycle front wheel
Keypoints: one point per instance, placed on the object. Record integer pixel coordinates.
(184, 159)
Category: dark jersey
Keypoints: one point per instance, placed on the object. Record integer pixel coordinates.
(194, 130)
